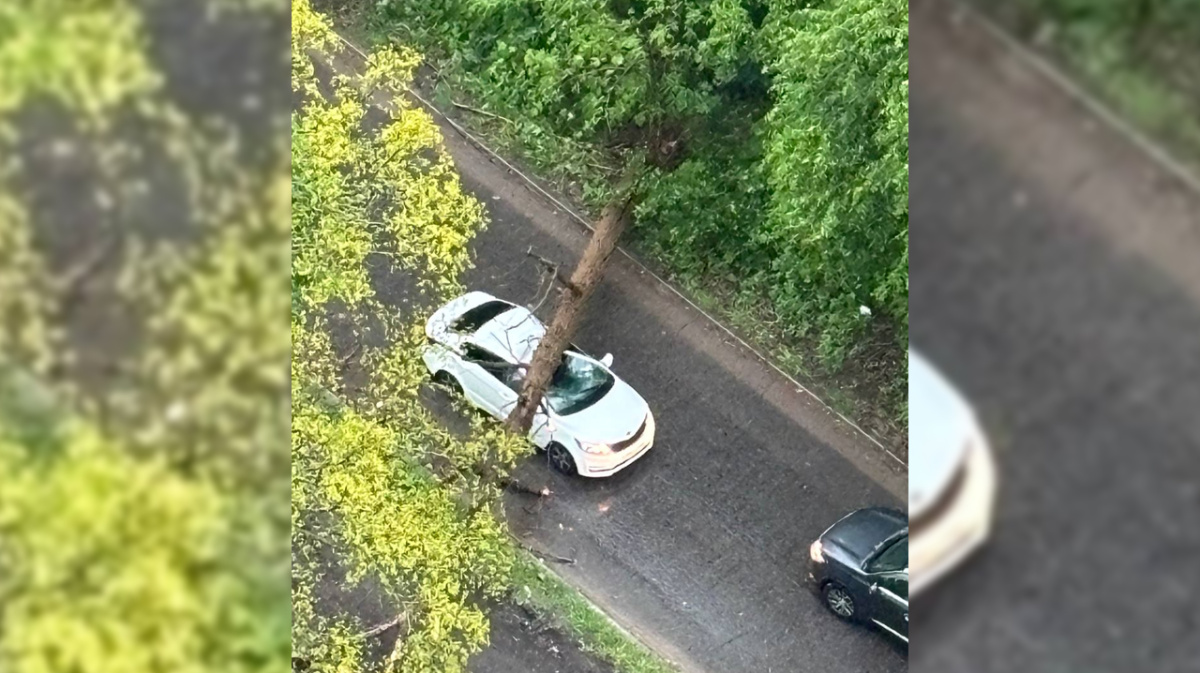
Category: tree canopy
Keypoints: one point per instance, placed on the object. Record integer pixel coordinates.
(385, 500)
(141, 517)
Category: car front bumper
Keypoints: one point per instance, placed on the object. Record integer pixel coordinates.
(607, 464)
(961, 529)
(815, 577)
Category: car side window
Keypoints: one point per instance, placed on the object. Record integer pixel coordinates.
(897, 584)
(480, 356)
(508, 374)
(892, 559)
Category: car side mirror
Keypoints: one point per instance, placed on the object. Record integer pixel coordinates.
(874, 588)
(607, 360)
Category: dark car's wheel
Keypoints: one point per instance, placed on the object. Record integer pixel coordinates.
(446, 380)
(839, 601)
(561, 459)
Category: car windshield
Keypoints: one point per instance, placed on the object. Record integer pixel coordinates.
(894, 558)
(578, 383)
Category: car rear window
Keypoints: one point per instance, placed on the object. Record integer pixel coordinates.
(480, 315)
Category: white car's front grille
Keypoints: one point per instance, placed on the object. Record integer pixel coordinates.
(625, 444)
(944, 501)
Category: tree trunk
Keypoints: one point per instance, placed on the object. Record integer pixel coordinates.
(569, 307)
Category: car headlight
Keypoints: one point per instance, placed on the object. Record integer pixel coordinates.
(598, 449)
(816, 552)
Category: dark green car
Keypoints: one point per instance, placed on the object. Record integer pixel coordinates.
(859, 567)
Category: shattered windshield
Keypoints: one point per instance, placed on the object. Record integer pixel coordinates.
(578, 383)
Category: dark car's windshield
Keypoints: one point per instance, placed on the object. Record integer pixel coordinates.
(578, 383)
(892, 559)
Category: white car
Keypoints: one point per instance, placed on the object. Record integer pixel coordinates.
(591, 423)
(951, 478)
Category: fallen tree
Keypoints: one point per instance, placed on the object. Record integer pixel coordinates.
(568, 310)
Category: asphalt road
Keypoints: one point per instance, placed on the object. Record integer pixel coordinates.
(700, 547)
(1055, 277)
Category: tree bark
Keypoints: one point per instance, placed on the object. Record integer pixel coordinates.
(568, 309)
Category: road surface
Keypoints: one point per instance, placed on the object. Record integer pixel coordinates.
(1056, 278)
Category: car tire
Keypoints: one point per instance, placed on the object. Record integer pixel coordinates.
(561, 460)
(839, 601)
(446, 380)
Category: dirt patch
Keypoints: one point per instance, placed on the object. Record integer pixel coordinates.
(522, 641)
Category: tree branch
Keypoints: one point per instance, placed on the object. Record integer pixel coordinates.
(485, 113)
(521, 487)
(73, 279)
(553, 266)
(380, 628)
(549, 285)
(350, 356)
(544, 555)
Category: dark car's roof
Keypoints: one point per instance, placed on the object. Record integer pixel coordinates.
(863, 531)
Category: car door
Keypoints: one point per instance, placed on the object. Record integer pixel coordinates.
(483, 380)
(541, 430)
(892, 613)
(887, 575)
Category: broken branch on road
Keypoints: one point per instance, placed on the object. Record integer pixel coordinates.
(545, 556)
(555, 268)
(545, 285)
(520, 487)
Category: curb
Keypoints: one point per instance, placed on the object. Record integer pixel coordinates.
(1056, 75)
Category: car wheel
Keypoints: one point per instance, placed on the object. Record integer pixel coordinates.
(839, 601)
(446, 380)
(561, 459)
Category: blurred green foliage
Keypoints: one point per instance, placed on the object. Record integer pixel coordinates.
(1135, 23)
(142, 516)
(1142, 56)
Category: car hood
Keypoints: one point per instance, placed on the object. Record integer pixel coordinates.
(613, 418)
(940, 427)
(861, 532)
